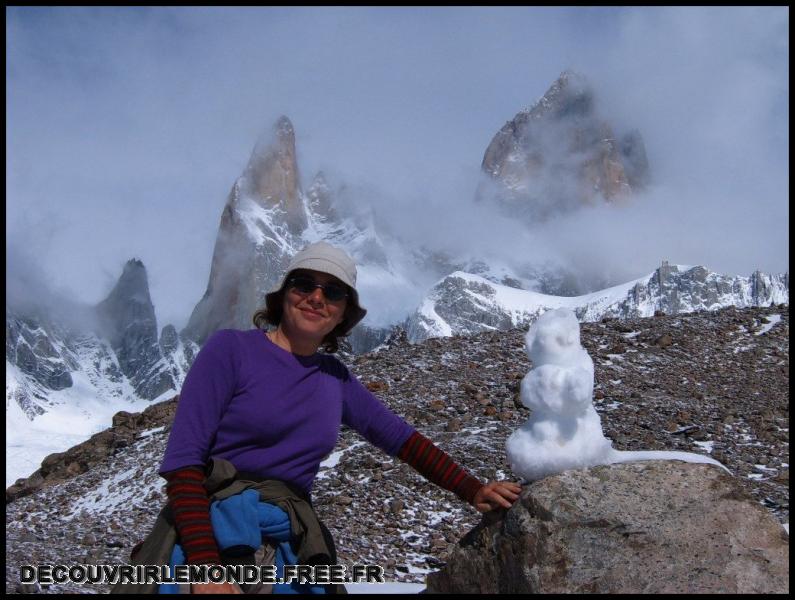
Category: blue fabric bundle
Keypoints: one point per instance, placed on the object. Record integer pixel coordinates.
(242, 520)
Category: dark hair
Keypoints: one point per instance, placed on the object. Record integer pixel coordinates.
(271, 314)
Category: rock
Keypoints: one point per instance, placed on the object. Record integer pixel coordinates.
(610, 530)
(376, 386)
(74, 468)
(664, 341)
(453, 425)
(126, 419)
(51, 462)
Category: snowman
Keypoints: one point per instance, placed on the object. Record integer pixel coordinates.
(564, 430)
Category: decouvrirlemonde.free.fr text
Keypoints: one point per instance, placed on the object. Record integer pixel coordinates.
(240, 574)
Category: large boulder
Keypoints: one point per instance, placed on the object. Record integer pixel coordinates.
(646, 527)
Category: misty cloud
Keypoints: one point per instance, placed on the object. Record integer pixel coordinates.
(128, 126)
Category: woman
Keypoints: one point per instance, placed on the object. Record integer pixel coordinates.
(271, 404)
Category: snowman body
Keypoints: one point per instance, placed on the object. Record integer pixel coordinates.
(564, 430)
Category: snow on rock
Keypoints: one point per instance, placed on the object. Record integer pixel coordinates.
(464, 303)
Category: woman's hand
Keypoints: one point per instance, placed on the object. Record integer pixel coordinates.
(496, 494)
(215, 588)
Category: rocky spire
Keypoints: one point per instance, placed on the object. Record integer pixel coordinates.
(128, 303)
(127, 319)
(271, 176)
(260, 229)
(559, 155)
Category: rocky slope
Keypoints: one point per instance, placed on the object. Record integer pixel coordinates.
(712, 382)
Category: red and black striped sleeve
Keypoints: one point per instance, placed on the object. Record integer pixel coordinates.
(191, 507)
(436, 466)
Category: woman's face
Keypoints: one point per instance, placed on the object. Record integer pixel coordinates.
(310, 316)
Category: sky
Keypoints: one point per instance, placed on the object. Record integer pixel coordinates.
(127, 127)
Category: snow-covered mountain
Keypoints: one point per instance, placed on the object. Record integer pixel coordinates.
(267, 219)
(67, 376)
(464, 303)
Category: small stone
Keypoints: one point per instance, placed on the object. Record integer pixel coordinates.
(454, 425)
(664, 341)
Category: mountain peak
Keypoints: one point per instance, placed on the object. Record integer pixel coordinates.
(279, 138)
(271, 177)
(560, 155)
(133, 264)
(284, 127)
(132, 285)
(127, 318)
(569, 95)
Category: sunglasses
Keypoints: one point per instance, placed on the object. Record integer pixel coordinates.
(305, 285)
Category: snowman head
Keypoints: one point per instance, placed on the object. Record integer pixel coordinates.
(554, 338)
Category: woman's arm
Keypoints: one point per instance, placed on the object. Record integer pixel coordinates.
(436, 466)
(383, 428)
(191, 508)
(206, 391)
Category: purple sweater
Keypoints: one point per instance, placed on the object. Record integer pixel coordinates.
(271, 412)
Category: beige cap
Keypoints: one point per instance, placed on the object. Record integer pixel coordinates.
(323, 257)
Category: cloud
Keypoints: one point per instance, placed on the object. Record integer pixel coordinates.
(126, 128)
